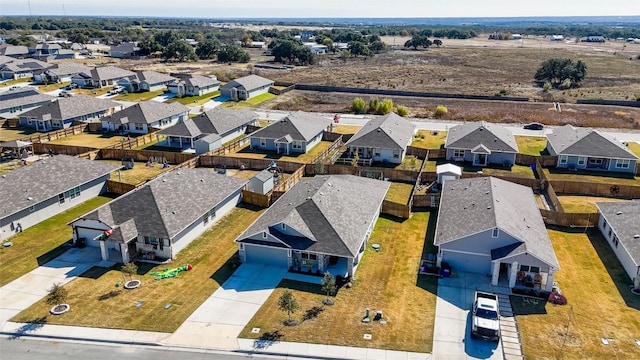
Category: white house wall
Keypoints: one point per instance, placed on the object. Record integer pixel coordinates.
(50, 207)
(621, 252)
(186, 236)
(311, 143)
(17, 110)
(88, 229)
(257, 92)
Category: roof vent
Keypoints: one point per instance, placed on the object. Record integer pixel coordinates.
(489, 207)
(173, 212)
(4, 176)
(378, 130)
(201, 180)
(619, 213)
(636, 236)
(308, 198)
(29, 198)
(164, 180)
(487, 192)
(321, 193)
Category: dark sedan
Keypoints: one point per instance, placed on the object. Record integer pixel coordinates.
(534, 126)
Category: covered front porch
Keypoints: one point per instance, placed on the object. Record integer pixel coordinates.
(480, 154)
(315, 264)
(182, 142)
(529, 275)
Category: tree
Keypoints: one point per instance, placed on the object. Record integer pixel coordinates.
(207, 49)
(180, 50)
(377, 47)
(57, 295)
(373, 104)
(232, 53)
(328, 284)
(437, 42)
(359, 106)
(291, 51)
(287, 303)
(359, 48)
(441, 110)
(558, 70)
(418, 41)
(130, 269)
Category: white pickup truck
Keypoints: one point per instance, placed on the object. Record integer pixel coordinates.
(485, 322)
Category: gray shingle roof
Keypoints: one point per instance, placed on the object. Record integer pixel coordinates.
(569, 140)
(109, 73)
(329, 209)
(14, 50)
(25, 65)
(146, 112)
(199, 81)
(125, 47)
(71, 107)
(624, 219)
(468, 136)
(65, 69)
(22, 97)
(387, 132)
(153, 77)
(45, 179)
(6, 59)
(215, 121)
(168, 204)
(470, 206)
(299, 125)
(249, 83)
(264, 175)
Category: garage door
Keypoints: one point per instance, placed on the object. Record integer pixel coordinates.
(266, 255)
(467, 262)
(89, 235)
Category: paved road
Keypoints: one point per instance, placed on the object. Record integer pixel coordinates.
(20, 349)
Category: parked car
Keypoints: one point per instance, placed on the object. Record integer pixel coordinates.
(65, 93)
(485, 321)
(116, 90)
(71, 86)
(534, 126)
(92, 57)
(14, 87)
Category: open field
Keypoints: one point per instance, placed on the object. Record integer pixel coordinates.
(427, 139)
(531, 145)
(600, 305)
(7, 134)
(96, 140)
(42, 242)
(591, 176)
(386, 280)
(246, 152)
(96, 302)
(138, 174)
(583, 204)
(399, 193)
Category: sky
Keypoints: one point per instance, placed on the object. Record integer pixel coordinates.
(322, 8)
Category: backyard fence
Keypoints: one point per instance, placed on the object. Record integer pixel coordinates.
(145, 155)
(54, 135)
(437, 154)
(426, 200)
(290, 181)
(230, 147)
(539, 161)
(406, 176)
(257, 199)
(569, 219)
(120, 188)
(44, 148)
(136, 142)
(553, 198)
(396, 209)
(596, 189)
(246, 163)
(90, 155)
(420, 153)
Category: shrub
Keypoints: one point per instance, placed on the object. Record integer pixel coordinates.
(637, 97)
(546, 87)
(373, 104)
(384, 107)
(402, 110)
(358, 106)
(566, 84)
(440, 111)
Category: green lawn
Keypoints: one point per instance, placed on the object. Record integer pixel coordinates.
(386, 280)
(92, 92)
(51, 87)
(195, 100)
(602, 177)
(96, 301)
(42, 242)
(7, 134)
(253, 102)
(140, 96)
(246, 152)
(16, 81)
(600, 305)
(492, 170)
(399, 193)
(635, 148)
(427, 139)
(583, 204)
(346, 129)
(95, 140)
(531, 145)
(138, 174)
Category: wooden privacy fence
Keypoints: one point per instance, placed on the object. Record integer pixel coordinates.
(569, 219)
(544, 160)
(291, 180)
(596, 189)
(553, 197)
(323, 155)
(230, 147)
(426, 200)
(90, 155)
(420, 153)
(120, 188)
(396, 209)
(246, 163)
(43, 148)
(437, 154)
(54, 135)
(145, 155)
(136, 142)
(257, 199)
(406, 176)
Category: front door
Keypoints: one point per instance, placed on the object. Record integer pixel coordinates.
(480, 159)
(133, 250)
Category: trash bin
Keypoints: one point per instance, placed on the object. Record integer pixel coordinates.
(81, 243)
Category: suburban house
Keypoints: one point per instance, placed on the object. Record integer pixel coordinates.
(620, 226)
(101, 77)
(146, 81)
(145, 115)
(246, 87)
(295, 133)
(226, 124)
(62, 113)
(45, 51)
(6, 59)
(319, 225)
(19, 69)
(588, 149)
(162, 217)
(59, 73)
(383, 139)
(16, 102)
(124, 51)
(36, 192)
(491, 226)
(194, 85)
(481, 143)
(14, 51)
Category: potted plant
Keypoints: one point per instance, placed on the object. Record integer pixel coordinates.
(57, 297)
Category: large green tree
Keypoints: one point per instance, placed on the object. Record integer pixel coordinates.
(232, 53)
(561, 71)
(180, 50)
(207, 49)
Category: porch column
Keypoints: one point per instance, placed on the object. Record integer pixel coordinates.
(124, 250)
(320, 260)
(549, 284)
(180, 138)
(513, 275)
(350, 266)
(439, 258)
(104, 251)
(495, 272)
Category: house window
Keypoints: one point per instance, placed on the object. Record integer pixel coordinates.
(494, 233)
(146, 240)
(534, 269)
(615, 240)
(205, 218)
(75, 192)
(308, 256)
(29, 121)
(61, 198)
(139, 127)
(396, 154)
(376, 152)
(582, 160)
(297, 145)
(595, 161)
(32, 208)
(458, 153)
(609, 232)
(263, 142)
(264, 234)
(524, 268)
(212, 213)
(604, 225)
(161, 243)
(622, 164)
(563, 159)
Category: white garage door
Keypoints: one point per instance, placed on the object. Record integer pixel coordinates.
(89, 235)
(266, 255)
(467, 263)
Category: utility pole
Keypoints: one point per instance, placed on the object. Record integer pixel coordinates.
(64, 12)
(29, 2)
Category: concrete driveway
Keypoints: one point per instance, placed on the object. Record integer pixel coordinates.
(452, 329)
(220, 319)
(33, 286)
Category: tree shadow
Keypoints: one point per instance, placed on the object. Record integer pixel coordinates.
(429, 282)
(109, 295)
(97, 272)
(267, 339)
(312, 313)
(30, 326)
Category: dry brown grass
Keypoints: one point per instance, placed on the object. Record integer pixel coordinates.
(7, 134)
(602, 177)
(138, 174)
(399, 193)
(582, 204)
(427, 139)
(246, 152)
(600, 305)
(91, 140)
(386, 280)
(346, 129)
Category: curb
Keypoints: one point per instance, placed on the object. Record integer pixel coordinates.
(16, 335)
